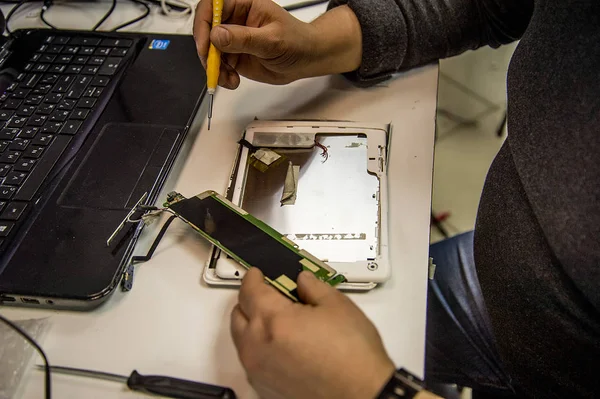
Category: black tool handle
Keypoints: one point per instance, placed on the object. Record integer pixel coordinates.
(176, 388)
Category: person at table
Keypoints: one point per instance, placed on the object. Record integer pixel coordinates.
(514, 307)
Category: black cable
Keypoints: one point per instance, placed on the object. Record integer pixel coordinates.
(304, 4)
(105, 17)
(45, 8)
(11, 13)
(159, 236)
(133, 21)
(28, 338)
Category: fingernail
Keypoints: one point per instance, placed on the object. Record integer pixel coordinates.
(306, 275)
(222, 35)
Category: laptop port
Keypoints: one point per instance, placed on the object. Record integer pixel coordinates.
(6, 299)
(30, 300)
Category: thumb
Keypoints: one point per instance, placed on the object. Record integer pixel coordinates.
(313, 291)
(242, 39)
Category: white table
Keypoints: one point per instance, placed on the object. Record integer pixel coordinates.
(171, 322)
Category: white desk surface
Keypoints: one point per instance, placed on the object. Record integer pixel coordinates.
(171, 323)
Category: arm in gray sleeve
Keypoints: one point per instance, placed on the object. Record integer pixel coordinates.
(402, 34)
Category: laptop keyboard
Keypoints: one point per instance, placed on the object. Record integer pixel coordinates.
(62, 85)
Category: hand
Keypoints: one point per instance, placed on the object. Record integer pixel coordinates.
(324, 349)
(263, 42)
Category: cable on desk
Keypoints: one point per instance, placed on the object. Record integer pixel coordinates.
(11, 13)
(304, 4)
(27, 337)
(105, 17)
(133, 21)
(46, 7)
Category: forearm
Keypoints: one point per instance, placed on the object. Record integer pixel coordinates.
(401, 34)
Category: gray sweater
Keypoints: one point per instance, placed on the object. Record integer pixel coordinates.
(537, 237)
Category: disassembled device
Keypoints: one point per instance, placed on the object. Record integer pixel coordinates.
(323, 185)
(241, 236)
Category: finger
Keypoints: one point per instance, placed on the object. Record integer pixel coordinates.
(201, 30)
(313, 291)
(257, 299)
(239, 324)
(246, 40)
(228, 77)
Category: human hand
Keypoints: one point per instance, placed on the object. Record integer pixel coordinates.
(263, 42)
(326, 348)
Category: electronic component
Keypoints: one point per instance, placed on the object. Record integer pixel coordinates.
(249, 241)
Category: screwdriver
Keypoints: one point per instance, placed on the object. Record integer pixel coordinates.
(213, 64)
(155, 384)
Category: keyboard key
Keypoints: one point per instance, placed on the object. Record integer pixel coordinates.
(86, 51)
(42, 139)
(80, 114)
(2, 205)
(102, 51)
(42, 89)
(6, 227)
(37, 120)
(28, 132)
(46, 58)
(98, 92)
(86, 102)
(38, 175)
(67, 104)
(40, 67)
(118, 52)
(71, 50)
(59, 115)
(51, 127)
(53, 49)
(79, 86)
(10, 156)
(5, 168)
(14, 210)
(31, 80)
(71, 127)
(34, 100)
(85, 41)
(49, 78)
(33, 152)
(19, 144)
(12, 103)
(80, 59)
(116, 42)
(35, 57)
(20, 93)
(89, 92)
(96, 60)
(17, 121)
(57, 68)
(6, 192)
(28, 67)
(24, 165)
(110, 66)
(26, 110)
(42, 48)
(5, 115)
(60, 40)
(45, 109)
(89, 70)
(49, 39)
(74, 69)
(54, 98)
(4, 145)
(12, 87)
(9, 133)
(63, 84)
(64, 59)
(4, 96)
(100, 81)
(15, 178)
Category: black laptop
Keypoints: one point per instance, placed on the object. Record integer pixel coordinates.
(89, 123)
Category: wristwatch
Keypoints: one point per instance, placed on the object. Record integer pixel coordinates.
(402, 385)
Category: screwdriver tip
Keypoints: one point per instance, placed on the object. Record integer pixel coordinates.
(210, 108)
(209, 123)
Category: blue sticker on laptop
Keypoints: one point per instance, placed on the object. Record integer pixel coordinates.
(158, 44)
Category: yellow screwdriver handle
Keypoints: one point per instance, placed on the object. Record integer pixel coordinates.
(214, 56)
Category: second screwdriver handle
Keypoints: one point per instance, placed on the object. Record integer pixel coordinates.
(177, 388)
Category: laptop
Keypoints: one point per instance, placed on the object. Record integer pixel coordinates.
(89, 124)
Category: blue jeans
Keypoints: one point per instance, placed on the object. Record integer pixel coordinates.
(460, 344)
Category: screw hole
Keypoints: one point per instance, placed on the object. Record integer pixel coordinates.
(50, 302)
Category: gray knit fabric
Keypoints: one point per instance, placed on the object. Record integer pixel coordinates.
(537, 238)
